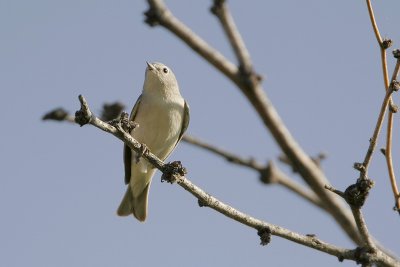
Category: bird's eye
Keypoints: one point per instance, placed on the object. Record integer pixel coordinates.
(165, 70)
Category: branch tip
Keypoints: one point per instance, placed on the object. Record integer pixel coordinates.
(396, 53)
(84, 115)
(359, 166)
(217, 7)
(386, 43)
(153, 15)
(268, 174)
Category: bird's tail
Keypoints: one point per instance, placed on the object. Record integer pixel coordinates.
(134, 205)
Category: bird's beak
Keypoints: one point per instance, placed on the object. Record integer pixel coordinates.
(149, 66)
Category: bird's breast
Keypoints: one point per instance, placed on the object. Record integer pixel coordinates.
(160, 124)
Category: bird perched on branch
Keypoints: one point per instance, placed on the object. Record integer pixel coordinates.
(163, 117)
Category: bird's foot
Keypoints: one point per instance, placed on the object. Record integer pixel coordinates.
(173, 172)
(124, 123)
(144, 150)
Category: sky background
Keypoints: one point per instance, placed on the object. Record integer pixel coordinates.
(60, 185)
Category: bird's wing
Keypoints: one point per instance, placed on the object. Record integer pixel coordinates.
(185, 125)
(185, 121)
(127, 150)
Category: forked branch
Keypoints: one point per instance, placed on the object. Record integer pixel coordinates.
(174, 172)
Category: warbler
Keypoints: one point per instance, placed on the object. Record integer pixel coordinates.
(162, 116)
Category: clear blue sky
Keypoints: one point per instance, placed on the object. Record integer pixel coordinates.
(60, 184)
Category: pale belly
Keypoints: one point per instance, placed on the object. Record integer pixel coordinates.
(159, 127)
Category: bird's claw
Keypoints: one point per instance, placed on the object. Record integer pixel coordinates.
(143, 151)
(124, 123)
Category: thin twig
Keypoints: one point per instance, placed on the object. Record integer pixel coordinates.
(372, 141)
(362, 226)
(373, 22)
(388, 150)
(85, 116)
(221, 10)
(269, 174)
(249, 163)
(251, 88)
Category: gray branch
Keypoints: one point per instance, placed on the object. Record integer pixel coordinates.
(85, 116)
(249, 85)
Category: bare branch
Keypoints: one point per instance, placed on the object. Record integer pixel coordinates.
(58, 114)
(388, 152)
(249, 84)
(372, 142)
(269, 174)
(383, 45)
(362, 226)
(221, 10)
(175, 172)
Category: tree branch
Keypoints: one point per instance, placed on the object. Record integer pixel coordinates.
(383, 46)
(269, 174)
(249, 85)
(221, 11)
(170, 173)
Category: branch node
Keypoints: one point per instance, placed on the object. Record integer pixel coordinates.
(58, 114)
(216, 8)
(201, 203)
(393, 108)
(394, 85)
(173, 172)
(356, 194)
(111, 111)
(268, 174)
(386, 43)
(396, 53)
(84, 115)
(152, 16)
(265, 236)
(361, 255)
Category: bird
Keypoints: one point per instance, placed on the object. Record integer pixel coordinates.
(162, 115)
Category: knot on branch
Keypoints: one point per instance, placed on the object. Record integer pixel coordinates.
(268, 174)
(265, 236)
(356, 194)
(394, 85)
(386, 43)
(58, 114)
(173, 172)
(111, 111)
(393, 108)
(361, 255)
(84, 115)
(396, 53)
(216, 8)
(152, 16)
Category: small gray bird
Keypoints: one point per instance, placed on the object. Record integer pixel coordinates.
(163, 117)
